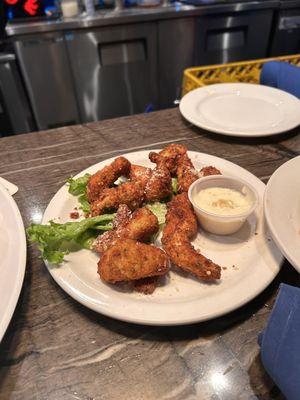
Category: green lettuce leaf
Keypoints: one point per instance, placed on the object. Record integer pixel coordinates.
(175, 185)
(56, 240)
(77, 187)
(160, 210)
(84, 203)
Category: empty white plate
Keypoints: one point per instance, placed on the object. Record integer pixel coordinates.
(282, 209)
(241, 109)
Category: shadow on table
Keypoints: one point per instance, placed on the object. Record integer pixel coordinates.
(204, 329)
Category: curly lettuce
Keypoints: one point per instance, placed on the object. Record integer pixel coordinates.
(77, 187)
(56, 240)
(159, 210)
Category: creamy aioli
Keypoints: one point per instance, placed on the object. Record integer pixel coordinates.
(223, 201)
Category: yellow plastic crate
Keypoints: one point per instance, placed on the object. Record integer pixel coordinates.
(244, 71)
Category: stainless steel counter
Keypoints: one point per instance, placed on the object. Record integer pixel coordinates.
(134, 15)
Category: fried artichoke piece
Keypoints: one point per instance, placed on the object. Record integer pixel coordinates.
(186, 173)
(180, 228)
(207, 171)
(159, 186)
(168, 156)
(106, 177)
(129, 260)
(140, 225)
(129, 193)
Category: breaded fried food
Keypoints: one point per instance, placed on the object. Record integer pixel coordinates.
(140, 174)
(207, 171)
(129, 193)
(183, 255)
(169, 156)
(159, 186)
(180, 228)
(129, 260)
(106, 177)
(122, 216)
(146, 285)
(106, 239)
(186, 173)
(141, 225)
(157, 183)
(180, 215)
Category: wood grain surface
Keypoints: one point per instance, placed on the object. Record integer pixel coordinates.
(57, 349)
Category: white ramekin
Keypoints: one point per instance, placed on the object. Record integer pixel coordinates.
(216, 223)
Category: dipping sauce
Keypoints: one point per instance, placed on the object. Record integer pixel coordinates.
(223, 201)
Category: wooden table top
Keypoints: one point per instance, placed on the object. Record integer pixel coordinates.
(57, 349)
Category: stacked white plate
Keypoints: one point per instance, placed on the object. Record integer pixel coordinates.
(241, 109)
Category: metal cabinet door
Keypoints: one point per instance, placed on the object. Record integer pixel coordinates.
(45, 69)
(233, 37)
(176, 52)
(286, 37)
(114, 69)
(15, 109)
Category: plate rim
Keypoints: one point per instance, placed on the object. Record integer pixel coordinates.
(227, 132)
(112, 314)
(275, 236)
(15, 294)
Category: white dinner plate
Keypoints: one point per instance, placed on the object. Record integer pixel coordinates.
(241, 109)
(250, 257)
(12, 257)
(282, 209)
